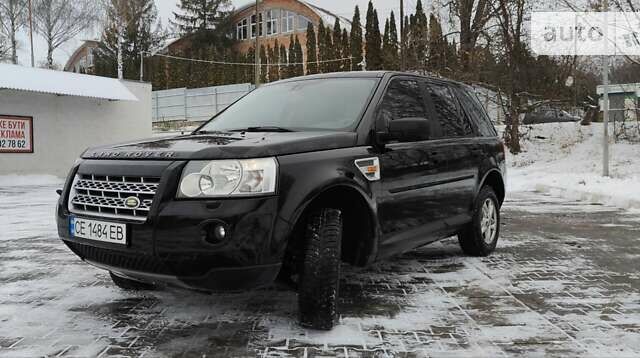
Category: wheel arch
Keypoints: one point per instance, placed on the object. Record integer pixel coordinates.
(494, 179)
(360, 231)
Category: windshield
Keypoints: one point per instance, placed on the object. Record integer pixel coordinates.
(320, 104)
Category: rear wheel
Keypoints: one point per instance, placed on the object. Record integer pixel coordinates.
(131, 285)
(480, 237)
(320, 270)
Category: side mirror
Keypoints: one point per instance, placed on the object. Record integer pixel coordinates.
(409, 129)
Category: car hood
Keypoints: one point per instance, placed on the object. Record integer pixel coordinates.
(225, 146)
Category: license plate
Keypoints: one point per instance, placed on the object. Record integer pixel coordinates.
(98, 230)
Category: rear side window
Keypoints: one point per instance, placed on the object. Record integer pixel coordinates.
(478, 115)
(453, 122)
(403, 100)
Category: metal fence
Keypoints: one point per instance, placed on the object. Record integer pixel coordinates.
(194, 105)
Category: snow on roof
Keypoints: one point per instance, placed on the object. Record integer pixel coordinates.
(328, 17)
(62, 83)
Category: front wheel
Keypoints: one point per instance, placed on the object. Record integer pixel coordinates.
(480, 237)
(320, 270)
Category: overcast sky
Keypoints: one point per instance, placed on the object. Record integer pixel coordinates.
(166, 7)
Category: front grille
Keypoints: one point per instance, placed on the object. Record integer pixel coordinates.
(106, 196)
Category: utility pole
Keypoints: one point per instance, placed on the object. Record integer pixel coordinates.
(33, 62)
(141, 66)
(605, 94)
(402, 60)
(257, 51)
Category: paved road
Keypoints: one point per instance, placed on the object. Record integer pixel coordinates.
(564, 281)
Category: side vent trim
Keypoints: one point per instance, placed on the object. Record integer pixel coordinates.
(369, 167)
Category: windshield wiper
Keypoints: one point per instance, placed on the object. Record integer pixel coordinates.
(262, 129)
(210, 132)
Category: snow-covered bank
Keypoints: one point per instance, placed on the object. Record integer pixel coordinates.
(566, 159)
(28, 180)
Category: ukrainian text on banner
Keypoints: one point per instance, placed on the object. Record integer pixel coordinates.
(16, 134)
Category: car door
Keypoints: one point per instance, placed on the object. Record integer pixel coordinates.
(410, 200)
(458, 141)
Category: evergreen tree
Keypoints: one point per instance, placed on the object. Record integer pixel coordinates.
(249, 75)
(283, 60)
(419, 30)
(386, 41)
(390, 55)
(452, 58)
(394, 44)
(264, 68)
(356, 41)
(200, 71)
(437, 46)
(373, 42)
(330, 51)
(410, 49)
(346, 50)
(312, 50)
(322, 47)
(299, 54)
(336, 50)
(274, 72)
(291, 69)
(200, 15)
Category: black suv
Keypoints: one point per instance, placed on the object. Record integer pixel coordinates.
(290, 181)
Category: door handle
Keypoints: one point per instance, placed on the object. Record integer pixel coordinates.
(476, 152)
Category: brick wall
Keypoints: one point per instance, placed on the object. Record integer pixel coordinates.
(284, 39)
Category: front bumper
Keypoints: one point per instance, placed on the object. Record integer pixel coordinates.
(172, 245)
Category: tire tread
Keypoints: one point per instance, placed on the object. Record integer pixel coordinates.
(320, 270)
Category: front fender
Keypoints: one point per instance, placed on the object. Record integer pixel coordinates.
(304, 177)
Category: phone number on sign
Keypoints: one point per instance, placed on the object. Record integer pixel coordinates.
(12, 143)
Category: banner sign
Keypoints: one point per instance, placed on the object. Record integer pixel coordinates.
(585, 33)
(16, 134)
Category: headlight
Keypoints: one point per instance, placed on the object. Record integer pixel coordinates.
(221, 178)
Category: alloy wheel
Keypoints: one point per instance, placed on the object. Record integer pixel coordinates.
(489, 221)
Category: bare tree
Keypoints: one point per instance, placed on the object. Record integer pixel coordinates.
(59, 21)
(474, 16)
(511, 18)
(12, 18)
(5, 49)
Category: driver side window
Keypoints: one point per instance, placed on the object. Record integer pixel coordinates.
(402, 100)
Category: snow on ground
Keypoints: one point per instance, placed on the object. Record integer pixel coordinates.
(558, 285)
(566, 159)
(27, 180)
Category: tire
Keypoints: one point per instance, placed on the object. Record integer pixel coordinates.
(319, 280)
(480, 237)
(131, 285)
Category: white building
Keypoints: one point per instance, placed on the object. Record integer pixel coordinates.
(623, 101)
(48, 118)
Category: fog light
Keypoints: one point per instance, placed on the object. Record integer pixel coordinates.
(214, 232)
(220, 232)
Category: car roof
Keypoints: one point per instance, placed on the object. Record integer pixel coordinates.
(365, 74)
